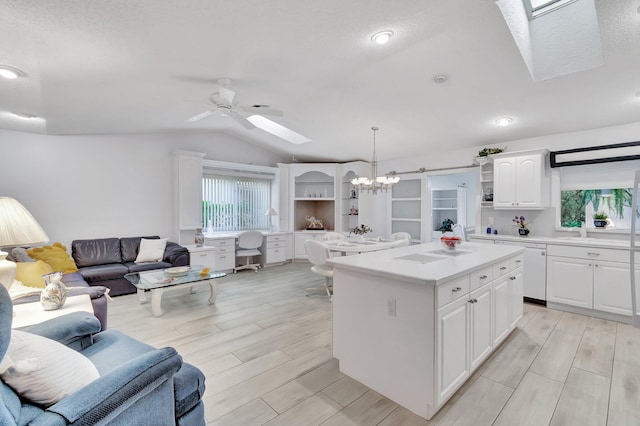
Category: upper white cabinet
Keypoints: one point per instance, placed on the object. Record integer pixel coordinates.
(188, 189)
(520, 181)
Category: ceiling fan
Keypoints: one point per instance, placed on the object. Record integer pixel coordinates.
(226, 105)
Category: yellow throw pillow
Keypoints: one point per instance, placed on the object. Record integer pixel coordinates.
(56, 256)
(30, 273)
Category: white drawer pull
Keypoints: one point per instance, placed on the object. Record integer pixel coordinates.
(456, 289)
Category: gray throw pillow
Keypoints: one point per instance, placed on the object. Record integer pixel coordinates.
(19, 254)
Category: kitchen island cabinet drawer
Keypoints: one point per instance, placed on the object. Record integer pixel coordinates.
(480, 277)
(452, 290)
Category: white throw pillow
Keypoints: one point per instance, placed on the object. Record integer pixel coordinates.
(151, 250)
(44, 371)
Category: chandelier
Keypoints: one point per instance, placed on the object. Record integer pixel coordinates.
(375, 182)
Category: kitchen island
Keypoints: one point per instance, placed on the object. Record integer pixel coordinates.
(413, 323)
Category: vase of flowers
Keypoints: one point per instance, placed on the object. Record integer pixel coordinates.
(360, 231)
(522, 225)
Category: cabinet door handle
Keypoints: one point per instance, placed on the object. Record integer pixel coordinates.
(518, 261)
(512, 278)
(456, 289)
(483, 277)
(473, 301)
(502, 268)
(543, 253)
(591, 253)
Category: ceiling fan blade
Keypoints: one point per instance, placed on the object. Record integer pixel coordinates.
(262, 110)
(227, 96)
(243, 121)
(200, 116)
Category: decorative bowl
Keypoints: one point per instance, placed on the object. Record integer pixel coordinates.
(177, 271)
(450, 243)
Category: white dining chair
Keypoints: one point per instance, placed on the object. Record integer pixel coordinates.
(333, 236)
(400, 236)
(248, 243)
(318, 254)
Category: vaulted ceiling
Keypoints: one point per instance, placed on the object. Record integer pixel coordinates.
(146, 66)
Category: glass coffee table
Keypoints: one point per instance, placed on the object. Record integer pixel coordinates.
(158, 281)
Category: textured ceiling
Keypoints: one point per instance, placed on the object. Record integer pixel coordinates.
(146, 66)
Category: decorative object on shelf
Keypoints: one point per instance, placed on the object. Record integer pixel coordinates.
(446, 226)
(488, 151)
(488, 194)
(360, 230)
(199, 237)
(522, 226)
(55, 293)
(354, 193)
(314, 223)
(353, 211)
(600, 220)
(17, 228)
(271, 213)
(374, 183)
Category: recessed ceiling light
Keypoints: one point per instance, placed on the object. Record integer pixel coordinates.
(10, 72)
(277, 130)
(504, 121)
(440, 78)
(382, 37)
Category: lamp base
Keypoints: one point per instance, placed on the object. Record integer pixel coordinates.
(7, 270)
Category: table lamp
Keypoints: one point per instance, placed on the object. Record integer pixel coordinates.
(17, 227)
(271, 213)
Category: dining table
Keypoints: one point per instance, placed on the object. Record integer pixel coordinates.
(351, 246)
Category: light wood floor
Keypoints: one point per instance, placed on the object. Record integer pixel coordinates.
(265, 349)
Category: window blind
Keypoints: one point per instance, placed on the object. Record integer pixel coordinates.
(599, 176)
(235, 203)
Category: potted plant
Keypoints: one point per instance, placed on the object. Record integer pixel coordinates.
(600, 220)
(360, 231)
(522, 226)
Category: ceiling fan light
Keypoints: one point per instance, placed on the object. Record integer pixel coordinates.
(382, 37)
(504, 121)
(10, 73)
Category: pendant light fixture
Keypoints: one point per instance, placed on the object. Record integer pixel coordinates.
(374, 183)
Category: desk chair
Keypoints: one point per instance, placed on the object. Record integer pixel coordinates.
(248, 243)
(318, 254)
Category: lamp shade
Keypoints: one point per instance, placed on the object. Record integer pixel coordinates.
(271, 212)
(17, 225)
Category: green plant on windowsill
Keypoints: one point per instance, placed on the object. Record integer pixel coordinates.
(600, 216)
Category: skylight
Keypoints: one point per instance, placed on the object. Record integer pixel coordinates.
(540, 7)
(277, 130)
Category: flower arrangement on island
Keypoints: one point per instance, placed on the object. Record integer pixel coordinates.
(360, 230)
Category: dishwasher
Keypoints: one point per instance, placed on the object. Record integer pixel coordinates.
(535, 270)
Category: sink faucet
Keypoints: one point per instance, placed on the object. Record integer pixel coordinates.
(583, 230)
(458, 230)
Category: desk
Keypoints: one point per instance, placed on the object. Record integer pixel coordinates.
(33, 313)
(365, 246)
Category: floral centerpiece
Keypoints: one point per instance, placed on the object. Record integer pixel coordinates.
(360, 230)
(522, 225)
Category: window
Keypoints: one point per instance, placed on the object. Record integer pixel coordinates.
(535, 8)
(597, 188)
(235, 203)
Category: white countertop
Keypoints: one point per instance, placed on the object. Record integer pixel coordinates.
(565, 241)
(225, 235)
(441, 267)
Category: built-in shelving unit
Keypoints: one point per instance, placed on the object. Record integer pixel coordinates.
(486, 181)
(406, 207)
(448, 203)
(350, 203)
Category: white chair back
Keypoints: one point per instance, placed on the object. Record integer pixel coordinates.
(400, 236)
(333, 236)
(250, 240)
(317, 252)
(400, 243)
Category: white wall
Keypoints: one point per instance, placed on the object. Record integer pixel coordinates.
(106, 186)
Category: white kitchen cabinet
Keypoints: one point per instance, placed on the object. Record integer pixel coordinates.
(570, 281)
(500, 298)
(453, 338)
(612, 287)
(481, 337)
(516, 296)
(519, 181)
(219, 254)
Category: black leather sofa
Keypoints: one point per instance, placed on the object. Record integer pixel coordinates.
(105, 261)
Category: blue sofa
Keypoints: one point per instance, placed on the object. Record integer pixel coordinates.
(138, 384)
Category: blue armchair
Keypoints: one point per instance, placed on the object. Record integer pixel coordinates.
(138, 384)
